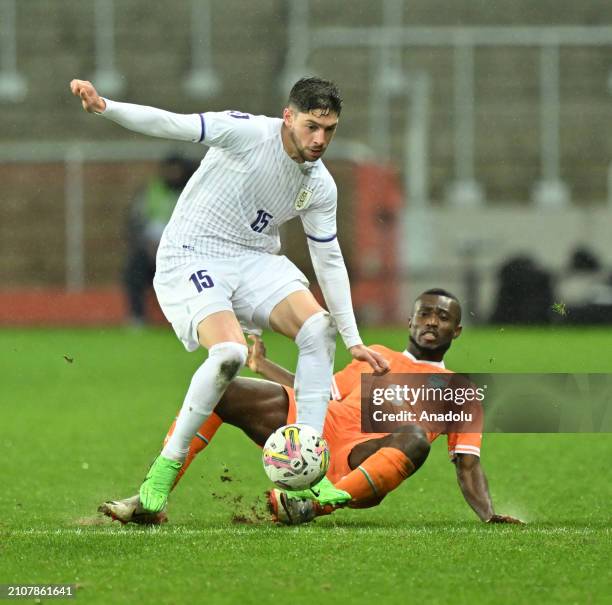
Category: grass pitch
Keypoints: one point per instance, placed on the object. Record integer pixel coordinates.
(82, 414)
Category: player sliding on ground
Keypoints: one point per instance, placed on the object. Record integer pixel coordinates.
(218, 270)
(364, 467)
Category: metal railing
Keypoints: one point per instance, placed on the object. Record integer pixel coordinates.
(383, 40)
(389, 80)
(201, 82)
(106, 75)
(13, 86)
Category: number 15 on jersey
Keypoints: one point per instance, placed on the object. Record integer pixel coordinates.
(262, 221)
(201, 280)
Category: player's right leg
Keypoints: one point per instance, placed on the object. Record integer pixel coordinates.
(258, 407)
(196, 298)
(222, 335)
(378, 467)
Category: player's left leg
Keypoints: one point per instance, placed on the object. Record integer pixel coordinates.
(274, 294)
(381, 465)
(257, 407)
(300, 317)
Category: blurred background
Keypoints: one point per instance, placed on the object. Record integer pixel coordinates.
(474, 150)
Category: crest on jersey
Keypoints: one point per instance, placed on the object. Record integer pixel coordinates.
(303, 198)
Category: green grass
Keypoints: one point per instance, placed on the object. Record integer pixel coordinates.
(74, 434)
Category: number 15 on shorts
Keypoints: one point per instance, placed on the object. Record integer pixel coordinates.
(201, 280)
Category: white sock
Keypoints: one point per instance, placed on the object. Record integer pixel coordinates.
(316, 341)
(209, 382)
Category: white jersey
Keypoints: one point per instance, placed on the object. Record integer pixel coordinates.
(245, 188)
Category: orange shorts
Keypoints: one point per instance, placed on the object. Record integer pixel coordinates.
(342, 431)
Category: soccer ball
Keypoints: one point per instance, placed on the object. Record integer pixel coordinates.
(295, 457)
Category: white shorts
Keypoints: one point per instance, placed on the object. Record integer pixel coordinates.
(250, 286)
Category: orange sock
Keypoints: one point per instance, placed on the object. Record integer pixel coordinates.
(202, 438)
(379, 474)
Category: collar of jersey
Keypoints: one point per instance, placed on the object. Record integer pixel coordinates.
(438, 364)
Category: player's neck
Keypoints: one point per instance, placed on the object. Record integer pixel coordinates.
(422, 354)
(289, 146)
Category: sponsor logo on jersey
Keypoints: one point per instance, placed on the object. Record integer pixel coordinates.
(303, 198)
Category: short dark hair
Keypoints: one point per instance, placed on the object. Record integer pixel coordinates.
(316, 93)
(439, 292)
(442, 292)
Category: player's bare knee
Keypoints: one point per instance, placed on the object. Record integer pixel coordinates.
(413, 442)
(231, 358)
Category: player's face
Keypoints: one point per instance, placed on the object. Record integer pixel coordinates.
(309, 133)
(435, 321)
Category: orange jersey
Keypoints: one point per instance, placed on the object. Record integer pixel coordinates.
(342, 428)
(346, 391)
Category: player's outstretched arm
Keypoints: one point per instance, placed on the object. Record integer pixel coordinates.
(258, 362)
(332, 276)
(475, 489)
(140, 118)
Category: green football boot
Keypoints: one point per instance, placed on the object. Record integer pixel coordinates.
(156, 487)
(297, 507)
(324, 492)
(291, 511)
(129, 510)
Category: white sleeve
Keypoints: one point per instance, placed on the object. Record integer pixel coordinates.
(155, 122)
(320, 221)
(232, 130)
(332, 277)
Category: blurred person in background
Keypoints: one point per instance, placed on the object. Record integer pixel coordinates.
(525, 293)
(149, 214)
(585, 289)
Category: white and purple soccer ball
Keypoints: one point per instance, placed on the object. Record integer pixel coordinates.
(295, 457)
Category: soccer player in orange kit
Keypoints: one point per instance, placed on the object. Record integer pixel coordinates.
(366, 466)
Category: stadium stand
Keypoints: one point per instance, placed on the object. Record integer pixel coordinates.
(153, 55)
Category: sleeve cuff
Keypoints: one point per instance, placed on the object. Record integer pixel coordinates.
(351, 341)
(108, 107)
(464, 449)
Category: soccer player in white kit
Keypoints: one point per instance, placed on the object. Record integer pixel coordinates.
(218, 271)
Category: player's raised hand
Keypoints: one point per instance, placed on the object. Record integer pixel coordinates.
(90, 99)
(379, 364)
(257, 353)
(505, 519)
